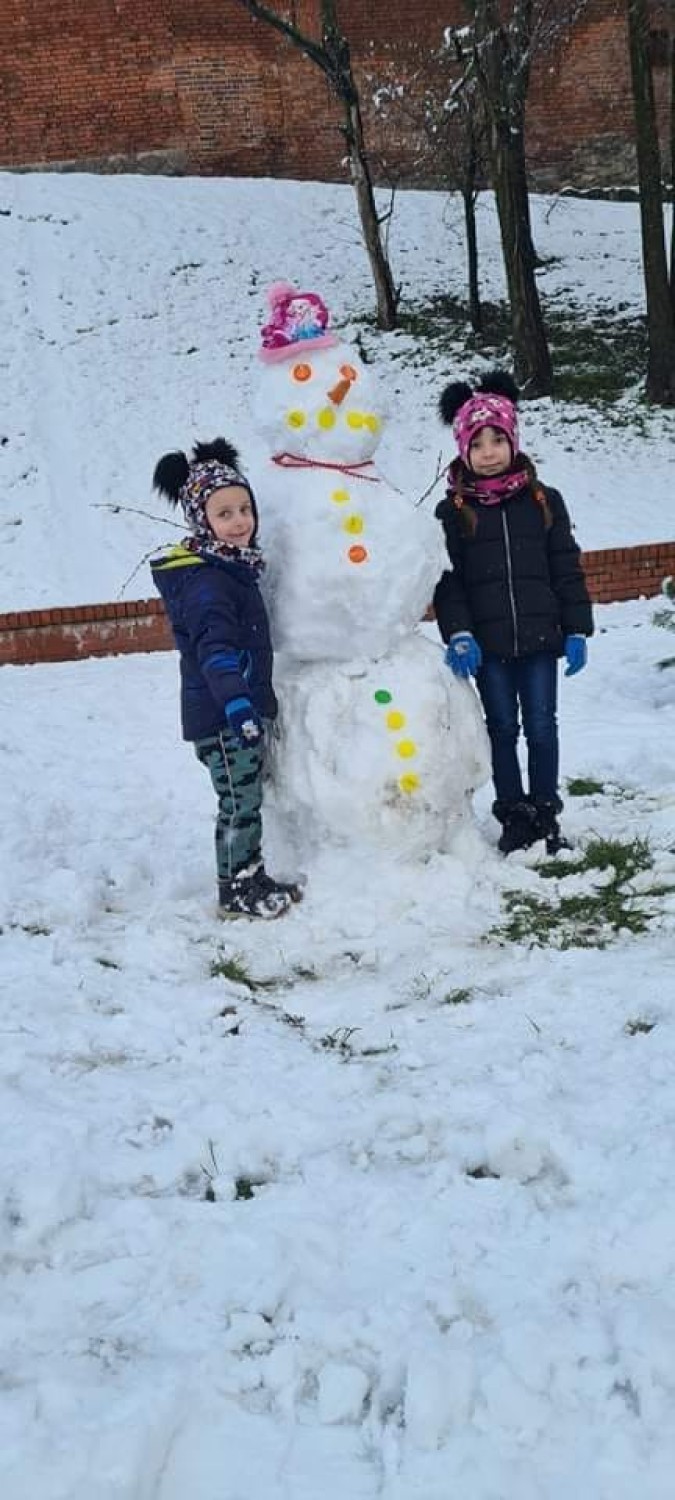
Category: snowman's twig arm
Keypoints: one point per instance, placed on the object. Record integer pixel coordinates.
(133, 511)
(441, 471)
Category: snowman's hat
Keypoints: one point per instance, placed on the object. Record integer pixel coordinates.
(298, 322)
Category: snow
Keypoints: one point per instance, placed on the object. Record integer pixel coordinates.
(132, 311)
(368, 1202)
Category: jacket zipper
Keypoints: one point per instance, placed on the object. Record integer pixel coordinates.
(509, 575)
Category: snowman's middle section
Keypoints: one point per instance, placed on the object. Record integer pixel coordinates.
(351, 564)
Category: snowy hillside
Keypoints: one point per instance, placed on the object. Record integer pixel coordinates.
(132, 307)
(374, 1202)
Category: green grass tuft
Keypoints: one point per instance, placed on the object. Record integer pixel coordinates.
(589, 919)
(584, 786)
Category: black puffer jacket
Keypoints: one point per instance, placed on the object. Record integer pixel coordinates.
(518, 586)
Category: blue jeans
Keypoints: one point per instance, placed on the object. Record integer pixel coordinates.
(528, 683)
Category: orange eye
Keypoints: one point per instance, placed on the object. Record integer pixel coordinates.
(349, 372)
(302, 372)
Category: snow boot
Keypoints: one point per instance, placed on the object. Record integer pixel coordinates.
(253, 893)
(518, 820)
(548, 827)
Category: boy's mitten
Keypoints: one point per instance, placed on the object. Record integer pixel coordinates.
(576, 653)
(463, 655)
(243, 721)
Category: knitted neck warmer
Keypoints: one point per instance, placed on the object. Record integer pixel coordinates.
(463, 484)
(206, 545)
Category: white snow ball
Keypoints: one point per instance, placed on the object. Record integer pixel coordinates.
(343, 1389)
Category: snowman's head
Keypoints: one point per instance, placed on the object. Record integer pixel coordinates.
(316, 398)
(321, 404)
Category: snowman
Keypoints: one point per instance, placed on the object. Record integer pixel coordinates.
(378, 745)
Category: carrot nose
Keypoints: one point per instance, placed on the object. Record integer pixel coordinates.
(339, 391)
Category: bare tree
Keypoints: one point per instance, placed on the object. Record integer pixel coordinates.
(672, 165)
(660, 314)
(439, 107)
(504, 42)
(331, 54)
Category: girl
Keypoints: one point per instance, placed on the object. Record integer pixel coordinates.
(209, 584)
(515, 601)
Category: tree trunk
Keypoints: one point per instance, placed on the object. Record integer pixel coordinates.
(469, 201)
(503, 76)
(672, 172)
(660, 321)
(532, 360)
(385, 291)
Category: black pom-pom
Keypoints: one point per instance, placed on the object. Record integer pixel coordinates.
(219, 449)
(452, 398)
(499, 383)
(170, 475)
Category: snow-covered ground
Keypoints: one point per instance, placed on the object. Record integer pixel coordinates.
(377, 1319)
(370, 1202)
(131, 310)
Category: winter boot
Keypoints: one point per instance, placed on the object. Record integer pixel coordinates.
(518, 820)
(253, 893)
(548, 828)
(291, 887)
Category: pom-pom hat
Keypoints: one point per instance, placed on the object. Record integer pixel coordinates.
(493, 404)
(190, 483)
(298, 322)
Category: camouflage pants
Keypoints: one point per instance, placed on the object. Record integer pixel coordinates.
(236, 773)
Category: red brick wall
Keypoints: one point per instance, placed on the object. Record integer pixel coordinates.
(141, 625)
(197, 85)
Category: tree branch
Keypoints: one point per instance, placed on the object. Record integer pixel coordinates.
(311, 49)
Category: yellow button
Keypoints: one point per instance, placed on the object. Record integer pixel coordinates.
(354, 419)
(406, 749)
(340, 496)
(395, 719)
(353, 524)
(372, 423)
(325, 418)
(409, 782)
(296, 419)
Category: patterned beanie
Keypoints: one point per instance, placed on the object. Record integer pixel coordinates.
(203, 480)
(485, 410)
(298, 322)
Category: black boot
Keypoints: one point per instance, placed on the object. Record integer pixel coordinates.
(253, 893)
(518, 821)
(548, 827)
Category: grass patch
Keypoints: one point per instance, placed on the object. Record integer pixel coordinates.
(232, 967)
(589, 919)
(585, 786)
(457, 997)
(626, 859)
(595, 354)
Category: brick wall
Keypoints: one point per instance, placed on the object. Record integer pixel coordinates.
(196, 85)
(72, 633)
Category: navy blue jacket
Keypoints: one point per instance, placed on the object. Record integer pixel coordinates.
(220, 626)
(517, 585)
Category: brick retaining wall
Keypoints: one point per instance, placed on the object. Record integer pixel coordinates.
(201, 87)
(76, 631)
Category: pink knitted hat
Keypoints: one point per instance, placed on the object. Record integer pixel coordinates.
(485, 410)
(298, 322)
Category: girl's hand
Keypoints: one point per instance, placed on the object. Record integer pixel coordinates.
(463, 656)
(576, 653)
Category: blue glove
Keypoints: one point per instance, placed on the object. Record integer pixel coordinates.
(243, 721)
(463, 655)
(576, 652)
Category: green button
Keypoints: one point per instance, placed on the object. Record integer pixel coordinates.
(382, 696)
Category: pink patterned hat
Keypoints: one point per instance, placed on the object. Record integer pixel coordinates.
(298, 322)
(485, 410)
